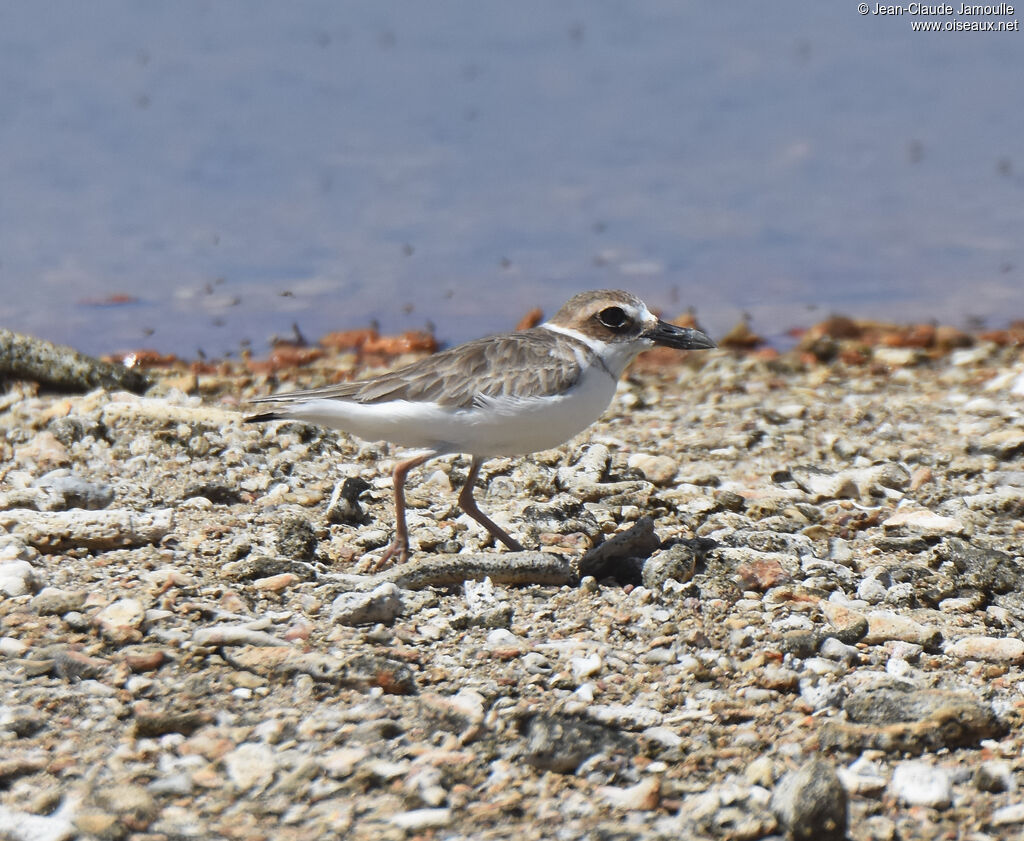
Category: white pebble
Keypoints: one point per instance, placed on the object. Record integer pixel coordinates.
(585, 667)
(503, 638)
(919, 783)
(17, 578)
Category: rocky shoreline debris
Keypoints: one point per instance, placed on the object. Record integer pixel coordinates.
(767, 596)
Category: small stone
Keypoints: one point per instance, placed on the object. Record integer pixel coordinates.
(55, 531)
(994, 776)
(344, 506)
(920, 477)
(17, 578)
(678, 562)
(848, 625)
(871, 590)
(811, 802)
(275, 583)
(12, 647)
(625, 717)
(76, 492)
(421, 820)
(132, 803)
(760, 772)
(97, 824)
(778, 678)
(657, 469)
(45, 452)
(1014, 813)
(250, 766)
(645, 795)
(1004, 444)
(921, 521)
(144, 660)
(761, 574)
(51, 601)
(586, 667)
(884, 625)
(502, 638)
(839, 551)
(536, 664)
(919, 783)
(821, 485)
(992, 649)
(834, 649)
(560, 743)
(383, 605)
(897, 357)
(863, 777)
(121, 621)
(338, 764)
(296, 539)
(893, 716)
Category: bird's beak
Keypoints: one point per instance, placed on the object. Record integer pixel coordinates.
(681, 338)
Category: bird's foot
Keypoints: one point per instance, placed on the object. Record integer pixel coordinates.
(397, 551)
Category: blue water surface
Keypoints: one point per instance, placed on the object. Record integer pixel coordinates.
(236, 167)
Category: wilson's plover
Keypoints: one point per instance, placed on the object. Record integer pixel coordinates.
(503, 395)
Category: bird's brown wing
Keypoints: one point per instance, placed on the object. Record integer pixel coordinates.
(524, 364)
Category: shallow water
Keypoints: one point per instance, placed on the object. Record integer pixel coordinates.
(234, 168)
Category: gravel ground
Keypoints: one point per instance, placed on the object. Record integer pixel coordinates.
(810, 622)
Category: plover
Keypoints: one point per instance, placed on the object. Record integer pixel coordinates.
(503, 395)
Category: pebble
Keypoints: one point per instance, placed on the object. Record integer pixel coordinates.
(43, 452)
(822, 484)
(849, 626)
(658, 469)
(677, 563)
(991, 649)
(382, 605)
(12, 647)
(121, 621)
(17, 578)
(1007, 815)
(645, 795)
(503, 638)
(625, 717)
(586, 667)
(56, 531)
(872, 591)
(863, 777)
(250, 766)
(76, 492)
(422, 820)
(61, 367)
(836, 650)
(342, 762)
(234, 635)
(921, 521)
(811, 802)
(53, 600)
(994, 775)
(536, 663)
(897, 357)
(884, 625)
(920, 783)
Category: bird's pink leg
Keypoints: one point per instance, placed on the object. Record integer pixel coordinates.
(400, 545)
(468, 504)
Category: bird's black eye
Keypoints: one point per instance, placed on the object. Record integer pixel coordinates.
(612, 317)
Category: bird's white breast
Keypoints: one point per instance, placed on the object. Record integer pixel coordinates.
(496, 426)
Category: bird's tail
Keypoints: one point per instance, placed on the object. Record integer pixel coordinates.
(264, 416)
